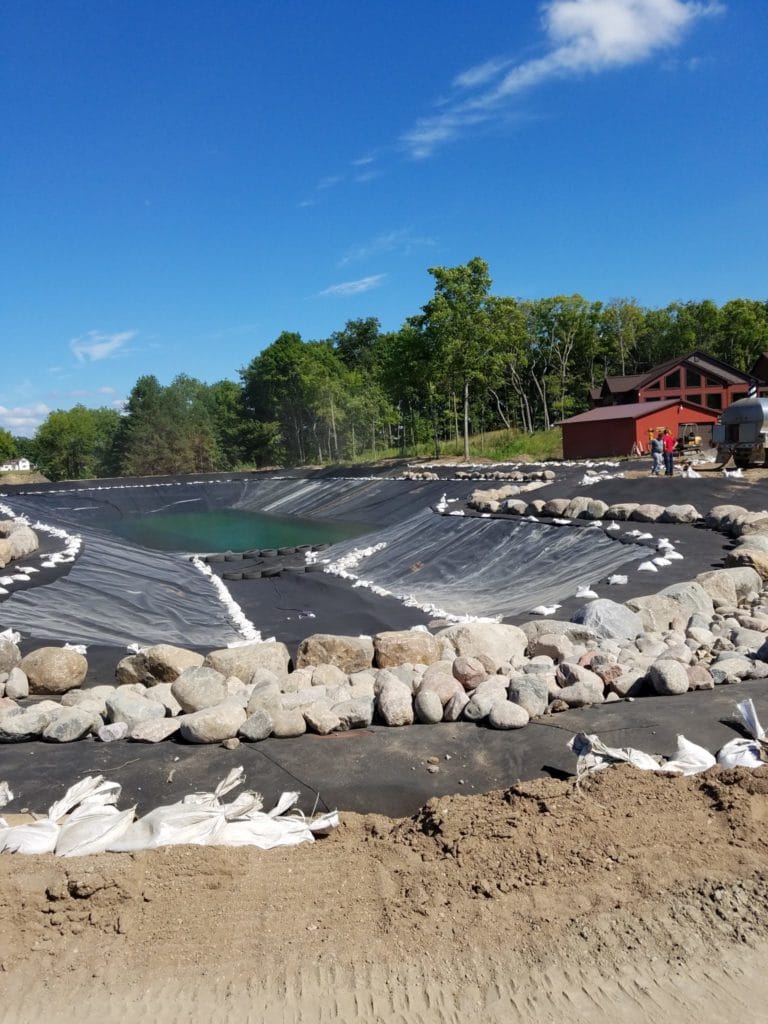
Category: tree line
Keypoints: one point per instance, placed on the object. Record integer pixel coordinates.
(468, 362)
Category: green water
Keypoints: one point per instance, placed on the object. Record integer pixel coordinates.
(228, 530)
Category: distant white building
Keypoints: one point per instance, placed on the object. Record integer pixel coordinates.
(16, 466)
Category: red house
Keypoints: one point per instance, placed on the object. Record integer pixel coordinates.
(697, 378)
(615, 429)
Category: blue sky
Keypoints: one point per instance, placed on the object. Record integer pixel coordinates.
(181, 182)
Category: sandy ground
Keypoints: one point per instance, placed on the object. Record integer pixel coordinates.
(627, 897)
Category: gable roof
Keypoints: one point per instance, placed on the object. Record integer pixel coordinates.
(635, 411)
(700, 360)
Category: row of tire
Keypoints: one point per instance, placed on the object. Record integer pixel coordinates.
(237, 556)
(268, 571)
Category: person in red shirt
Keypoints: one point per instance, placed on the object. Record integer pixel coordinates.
(669, 453)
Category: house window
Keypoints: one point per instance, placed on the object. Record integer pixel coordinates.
(695, 397)
(672, 380)
(715, 401)
(692, 378)
(738, 394)
(655, 386)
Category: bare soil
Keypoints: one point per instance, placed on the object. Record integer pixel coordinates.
(628, 897)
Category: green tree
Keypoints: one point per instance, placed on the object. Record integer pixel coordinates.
(77, 443)
(7, 445)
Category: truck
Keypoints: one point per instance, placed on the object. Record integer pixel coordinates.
(741, 432)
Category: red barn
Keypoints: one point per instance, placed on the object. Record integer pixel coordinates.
(614, 429)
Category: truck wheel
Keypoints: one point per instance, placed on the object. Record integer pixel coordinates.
(741, 459)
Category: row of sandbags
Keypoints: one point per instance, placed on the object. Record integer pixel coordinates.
(86, 820)
(689, 758)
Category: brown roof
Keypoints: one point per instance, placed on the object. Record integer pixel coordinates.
(634, 411)
(702, 361)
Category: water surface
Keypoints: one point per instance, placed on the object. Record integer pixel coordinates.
(227, 530)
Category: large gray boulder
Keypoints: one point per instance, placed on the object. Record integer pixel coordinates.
(166, 663)
(198, 688)
(256, 727)
(506, 715)
(244, 661)
(155, 730)
(680, 514)
(647, 513)
(356, 713)
(54, 670)
(18, 725)
(132, 708)
(349, 653)
(288, 724)
(428, 707)
(17, 684)
(398, 647)
(71, 724)
(394, 703)
(608, 619)
(668, 678)
(531, 693)
(22, 540)
(503, 643)
(10, 656)
(622, 510)
(133, 669)
(469, 672)
(213, 724)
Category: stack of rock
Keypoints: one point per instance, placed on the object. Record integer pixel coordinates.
(17, 540)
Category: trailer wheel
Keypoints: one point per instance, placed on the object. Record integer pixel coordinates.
(741, 459)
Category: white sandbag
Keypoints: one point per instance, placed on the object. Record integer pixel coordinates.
(227, 784)
(93, 833)
(592, 755)
(689, 759)
(751, 722)
(5, 794)
(740, 753)
(91, 787)
(32, 837)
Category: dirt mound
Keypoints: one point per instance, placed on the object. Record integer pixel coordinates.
(511, 896)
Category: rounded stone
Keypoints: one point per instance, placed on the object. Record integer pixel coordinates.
(54, 670)
(668, 678)
(506, 715)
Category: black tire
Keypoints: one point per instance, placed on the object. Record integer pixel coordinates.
(741, 459)
(270, 571)
(295, 570)
(214, 559)
(252, 574)
(231, 575)
(268, 552)
(286, 551)
(301, 548)
(322, 547)
(233, 556)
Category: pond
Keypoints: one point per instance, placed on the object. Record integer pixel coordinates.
(228, 530)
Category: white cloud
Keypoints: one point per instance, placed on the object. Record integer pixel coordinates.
(95, 345)
(364, 284)
(583, 37)
(400, 240)
(23, 419)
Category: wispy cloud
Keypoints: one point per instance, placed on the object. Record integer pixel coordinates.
(96, 345)
(390, 241)
(363, 284)
(23, 419)
(80, 393)
(582, 37)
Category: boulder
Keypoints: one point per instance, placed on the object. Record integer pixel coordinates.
(469, 672)
(133, 669)
(113, 731)
(349, 653)
(265, 696)
(162, 693)
(244, 661)
(394, 703)
(454, 709)
(71, 724)
(256, 727)
(10, 655)
(699, 678)
(506, 715)
(583, 692)
(622, 510)
(155, 730)
(354, 714)
(132, 708)
(23, 541)
(287, 724)
(17, 684)
(54, 670)
(444, 686)
(166, 663)
(630, 683)
(751, 557)
(328, 676)
(18, 725)
(198, 688)
(606, 618)
(577, 508)
(396, 647)
(680, 514)
(668, 678)
(321, 719)
(647, 513)
(556, 646)
(531, 693)
(212, 724)
(501, 642)
(428, 707)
